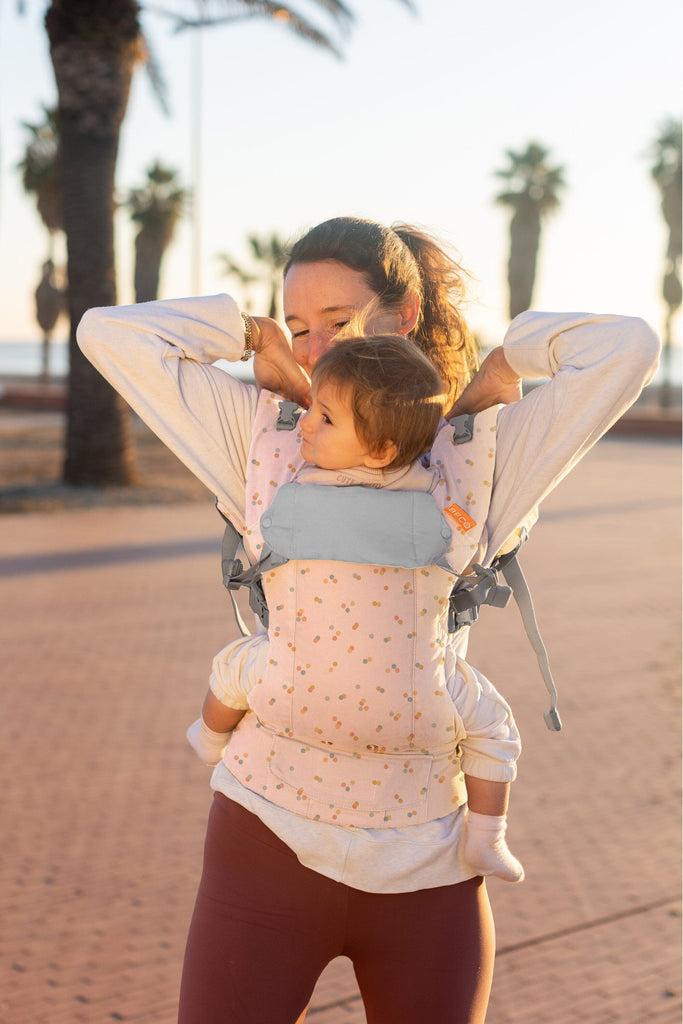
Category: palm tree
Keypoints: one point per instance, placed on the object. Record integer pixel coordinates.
(245, 277)
(95, 46)
(41, 172)
(534, 187)
(49, 304)
(666, 172)
(156, 208)
(270, 254)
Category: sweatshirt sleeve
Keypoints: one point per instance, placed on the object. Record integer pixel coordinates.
(490, 744)
(597, 366)
(159, 356)
(237, 669)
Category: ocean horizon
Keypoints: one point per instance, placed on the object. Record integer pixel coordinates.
(24, 359)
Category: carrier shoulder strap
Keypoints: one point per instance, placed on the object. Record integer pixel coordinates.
(235, 575)
(512, 571)
(233, 572)
(483, 586)
(313, 522)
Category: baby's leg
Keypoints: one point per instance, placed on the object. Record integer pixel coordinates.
(234, 672)
(485, 847)
(218, 716)
(209, 735)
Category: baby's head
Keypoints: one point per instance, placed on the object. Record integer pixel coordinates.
(375, 401)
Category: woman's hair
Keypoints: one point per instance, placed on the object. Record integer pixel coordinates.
(394, 392)
(394, 262)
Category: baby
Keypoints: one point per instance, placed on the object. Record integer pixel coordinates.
(356, 432)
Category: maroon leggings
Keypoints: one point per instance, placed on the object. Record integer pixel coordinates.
(264, 928)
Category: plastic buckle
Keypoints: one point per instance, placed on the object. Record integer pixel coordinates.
(553, 720)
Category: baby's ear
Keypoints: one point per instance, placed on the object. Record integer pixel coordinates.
(383, 457)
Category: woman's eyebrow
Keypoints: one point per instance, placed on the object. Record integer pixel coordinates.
(324, 311)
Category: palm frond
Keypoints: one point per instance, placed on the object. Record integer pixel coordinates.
(246, 9)
(231, 268)
(155, 74)
(339, 12)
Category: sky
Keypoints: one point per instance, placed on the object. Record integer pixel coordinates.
(410, 126)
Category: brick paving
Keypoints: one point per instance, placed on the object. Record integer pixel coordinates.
(109, 621)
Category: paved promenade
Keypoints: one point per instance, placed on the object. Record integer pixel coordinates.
(109, 621)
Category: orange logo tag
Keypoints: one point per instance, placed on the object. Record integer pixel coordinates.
(463, 521)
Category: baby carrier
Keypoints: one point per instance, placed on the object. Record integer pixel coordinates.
(481, 586)
(333, 560)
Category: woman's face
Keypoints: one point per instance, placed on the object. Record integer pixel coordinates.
(319, 299)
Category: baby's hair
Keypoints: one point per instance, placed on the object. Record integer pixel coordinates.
(394, 391)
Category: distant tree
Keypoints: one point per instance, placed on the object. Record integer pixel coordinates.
(49, 304)
(533, 193)
(41, 173)
(270, 255)
(666, 172)
(246, 278)
(156, 208)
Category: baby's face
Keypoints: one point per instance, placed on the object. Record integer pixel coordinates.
(328, 431)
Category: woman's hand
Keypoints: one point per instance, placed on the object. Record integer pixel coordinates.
(275, 368)
(495, 383)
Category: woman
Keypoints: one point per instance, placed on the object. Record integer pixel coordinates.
(282, 895)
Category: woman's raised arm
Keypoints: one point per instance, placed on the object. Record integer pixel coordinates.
(495, 383)
(158, 356)
(275, 367)
(596, 367)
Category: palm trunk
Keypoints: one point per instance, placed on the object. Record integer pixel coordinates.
(149, 251)
(100, 447)
(93, 55)
(525, 233)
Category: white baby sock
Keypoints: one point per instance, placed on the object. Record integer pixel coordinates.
(486, 849)
(207, 744)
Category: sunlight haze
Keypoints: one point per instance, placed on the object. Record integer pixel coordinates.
(410, 126)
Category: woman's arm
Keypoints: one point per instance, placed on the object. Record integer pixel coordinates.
(158, 356)
(494, 383)
(597, 367)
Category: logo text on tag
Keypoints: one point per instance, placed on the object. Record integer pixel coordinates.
(463, 521)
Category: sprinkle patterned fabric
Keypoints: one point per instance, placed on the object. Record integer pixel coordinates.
(352, 722)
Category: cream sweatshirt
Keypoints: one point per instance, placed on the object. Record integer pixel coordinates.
(160, 356)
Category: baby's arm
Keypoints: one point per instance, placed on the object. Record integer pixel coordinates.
(234, 672)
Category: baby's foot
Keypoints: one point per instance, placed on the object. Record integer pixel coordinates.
(486, 849)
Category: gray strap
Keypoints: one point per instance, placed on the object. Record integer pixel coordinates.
(231, 566)
(242, 626)
(481, 586)
(512, 572)
(236, 576)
